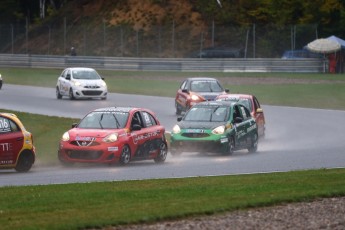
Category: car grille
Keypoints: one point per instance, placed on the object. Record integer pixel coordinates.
(92, 87)
(84, 143)
(195, 135)
(85, 155)
(92, 93)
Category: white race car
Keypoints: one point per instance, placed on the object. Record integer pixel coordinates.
(80, 82)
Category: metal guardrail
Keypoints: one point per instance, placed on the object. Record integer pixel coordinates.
(166, 64)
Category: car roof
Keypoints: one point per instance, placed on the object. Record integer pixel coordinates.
(115, 109)
(216, 103)
(80, 68)
(235, 95)
(201, 79)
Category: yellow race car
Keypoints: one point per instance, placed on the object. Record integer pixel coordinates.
(16, 144)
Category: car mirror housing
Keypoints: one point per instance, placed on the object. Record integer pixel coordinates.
(74, 125)
(238, 119)
(259, 110)
(185, 91)
(68, 77)
(227, 90)
(136, 127)
(179, 119)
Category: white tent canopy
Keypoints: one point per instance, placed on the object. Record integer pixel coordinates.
(339, 40)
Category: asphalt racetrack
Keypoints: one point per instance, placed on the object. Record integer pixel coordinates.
(296, 139)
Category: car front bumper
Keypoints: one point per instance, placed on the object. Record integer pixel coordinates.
(103, 153)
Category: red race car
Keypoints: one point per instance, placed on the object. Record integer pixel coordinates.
(114, 134)
(252, 103)
(16, 144)
(195, 90)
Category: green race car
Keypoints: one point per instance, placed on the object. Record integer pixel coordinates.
(217, 126)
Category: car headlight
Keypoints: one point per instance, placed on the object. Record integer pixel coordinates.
(65, 136)
(111, 138)
(176, 129)
(219, 130)
(195, 97)
(77, 83)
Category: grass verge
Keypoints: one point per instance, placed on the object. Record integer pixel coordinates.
(95, 205)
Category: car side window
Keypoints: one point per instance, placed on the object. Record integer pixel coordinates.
(136, 120)
(256, 103)
(183, 85)
(245, 112)
(236, 112)
(7, 126)
(149, 119)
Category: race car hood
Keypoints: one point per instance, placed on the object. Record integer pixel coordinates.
(199, 125)
(209, 96)
(92, 133)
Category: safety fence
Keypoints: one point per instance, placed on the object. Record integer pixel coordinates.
(308, 65)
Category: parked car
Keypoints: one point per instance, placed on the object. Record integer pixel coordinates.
(16, 144)
(115, 134)
(219, 52)
(195, 90)
(80, 82)
(217, 126)
(0, 81)
(252, 103)
(300, 54)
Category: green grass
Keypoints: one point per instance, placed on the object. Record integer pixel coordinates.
(78, 206)
(312, 92)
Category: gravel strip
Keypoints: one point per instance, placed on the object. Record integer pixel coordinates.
(326, 213)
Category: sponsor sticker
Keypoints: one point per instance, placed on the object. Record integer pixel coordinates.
(195, 131)
(112, 149)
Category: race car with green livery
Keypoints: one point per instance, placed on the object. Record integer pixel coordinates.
(217, 126)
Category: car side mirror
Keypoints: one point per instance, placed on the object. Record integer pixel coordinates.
(227, 90)
(136, 127)
(185, 91)
(179, 119)
(238, 119)
(259, 110)
(103, 78)
(68, 77)
(74, 125)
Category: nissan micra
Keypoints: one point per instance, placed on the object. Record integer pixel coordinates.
(16, 144)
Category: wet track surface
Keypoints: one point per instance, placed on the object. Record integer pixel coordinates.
(296, 139)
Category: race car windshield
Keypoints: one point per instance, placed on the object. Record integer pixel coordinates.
(205, 86)
(104, 120)
(210, 114)
(85, 74)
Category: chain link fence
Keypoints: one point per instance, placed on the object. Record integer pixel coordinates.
(168, 41)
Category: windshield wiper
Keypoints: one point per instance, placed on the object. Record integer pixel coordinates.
(100, 121)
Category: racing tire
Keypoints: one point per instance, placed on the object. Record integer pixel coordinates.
(25, 162)
(163, 152)
(231, 146)
(125, 155)
(70, 94)
(58, 94)
(254, 143)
